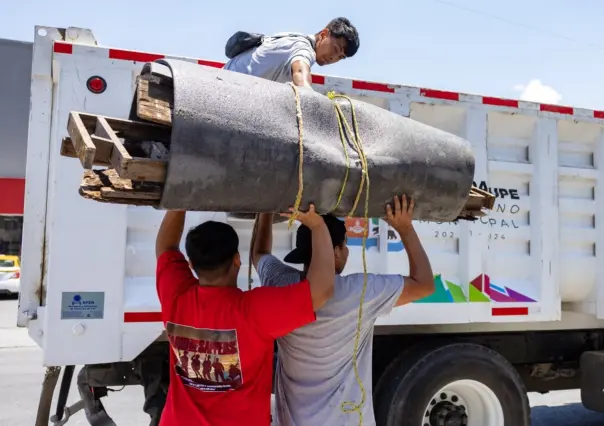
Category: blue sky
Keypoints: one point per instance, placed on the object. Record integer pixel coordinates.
(542, 50)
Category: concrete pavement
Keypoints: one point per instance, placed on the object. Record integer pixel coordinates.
(21, 375)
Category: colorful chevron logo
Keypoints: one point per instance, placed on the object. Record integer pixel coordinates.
(481, 290)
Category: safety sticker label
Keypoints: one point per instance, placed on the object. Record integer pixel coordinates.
(82, 305)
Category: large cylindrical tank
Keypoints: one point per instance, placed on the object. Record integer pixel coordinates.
(234, 148)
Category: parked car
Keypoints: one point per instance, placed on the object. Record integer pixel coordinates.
(10, 274)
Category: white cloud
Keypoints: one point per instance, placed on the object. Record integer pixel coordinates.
(536, 91)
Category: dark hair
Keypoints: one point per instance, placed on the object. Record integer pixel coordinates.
(211, 246)
(303, 251)
(342, 28)
(337, 229)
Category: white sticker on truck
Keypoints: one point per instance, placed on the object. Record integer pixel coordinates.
(82, 305)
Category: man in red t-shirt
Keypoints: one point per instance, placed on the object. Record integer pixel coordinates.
(209, 318)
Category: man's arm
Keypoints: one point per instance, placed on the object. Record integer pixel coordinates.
(321, 271)
(263, 243)
(420, 282)
(173, 275)
(170, 232)
(301, 74)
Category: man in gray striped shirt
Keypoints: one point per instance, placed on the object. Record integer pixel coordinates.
(314, 373)
(288, 57)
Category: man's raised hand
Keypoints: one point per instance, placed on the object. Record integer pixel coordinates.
(310, 218)
(399, 215)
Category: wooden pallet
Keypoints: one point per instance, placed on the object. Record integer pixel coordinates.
(136, 150)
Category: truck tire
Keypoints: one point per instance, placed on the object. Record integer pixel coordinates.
(458, 384)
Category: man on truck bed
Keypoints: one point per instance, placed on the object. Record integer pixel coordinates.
(209, 316)
(314, 372)
(287, 57)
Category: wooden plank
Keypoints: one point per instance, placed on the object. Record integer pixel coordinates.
(107, 187)
(103, 153)
(80, 137)
(119, 158)
(128, 129)
(474, 201)
(67, 148)
(154, 100)
(489, 202)
(146, 170)
(104, 149)
(111, 193)
(478, 200)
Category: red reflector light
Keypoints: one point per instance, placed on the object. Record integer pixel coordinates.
(16, 275)
(96, 84)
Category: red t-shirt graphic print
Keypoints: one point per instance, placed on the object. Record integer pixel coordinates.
(221, 341)
(217, 351)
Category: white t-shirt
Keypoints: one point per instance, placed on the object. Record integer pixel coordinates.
(314, 372)
(273, 59)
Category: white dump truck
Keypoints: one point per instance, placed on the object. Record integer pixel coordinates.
(518, 305)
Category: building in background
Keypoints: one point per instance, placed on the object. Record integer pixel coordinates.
(14, 117)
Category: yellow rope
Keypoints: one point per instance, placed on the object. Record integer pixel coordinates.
(292, 219)
(351, 406)
(331, 95)
(343, 126)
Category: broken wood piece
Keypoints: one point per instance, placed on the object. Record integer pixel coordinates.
(469, 215)
(489, 198)
(80, 137)
(111, 193)
(154, 100)
(106, 186)
(478, 201)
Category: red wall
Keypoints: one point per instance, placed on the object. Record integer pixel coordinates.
(12, 195)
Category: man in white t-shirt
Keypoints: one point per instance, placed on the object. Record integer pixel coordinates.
(286, 57)
(314, 372)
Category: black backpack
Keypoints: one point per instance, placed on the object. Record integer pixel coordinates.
(242, 41)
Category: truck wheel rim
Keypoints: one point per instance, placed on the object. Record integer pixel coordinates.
(464, 403)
